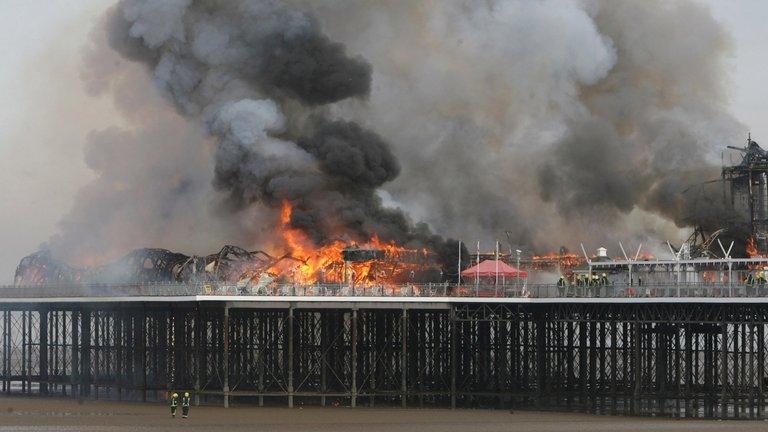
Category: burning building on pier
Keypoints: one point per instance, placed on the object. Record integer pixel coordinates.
(354, 265)
(374, 262)
(746, 194)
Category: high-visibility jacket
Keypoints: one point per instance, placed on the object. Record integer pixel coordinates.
(185, 401)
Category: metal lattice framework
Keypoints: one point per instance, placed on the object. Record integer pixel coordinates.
(670, 359)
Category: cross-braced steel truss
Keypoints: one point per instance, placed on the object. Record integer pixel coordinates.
(679, 359)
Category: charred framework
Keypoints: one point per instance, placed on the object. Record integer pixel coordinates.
(748, 194)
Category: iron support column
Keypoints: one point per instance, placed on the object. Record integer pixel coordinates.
(760, 368)
(354, 358)
(453, 355)
(724, 372)
(75, 366)
(7, 351)
(404, 357)
(637, 365)
(43, 351)
(198, 352)
(541, 371)
(85, 345)
(290, 356)
(225, 366)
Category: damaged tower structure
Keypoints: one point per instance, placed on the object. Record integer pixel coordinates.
(746, 195)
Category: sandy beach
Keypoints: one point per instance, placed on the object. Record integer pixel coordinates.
(37, 414)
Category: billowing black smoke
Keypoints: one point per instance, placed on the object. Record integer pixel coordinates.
(309, 67)
(556, 122)
(256, 74)
(353, 156)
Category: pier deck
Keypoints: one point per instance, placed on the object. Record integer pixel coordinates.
(692, 356)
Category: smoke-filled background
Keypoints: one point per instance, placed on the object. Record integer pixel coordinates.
(559, 121)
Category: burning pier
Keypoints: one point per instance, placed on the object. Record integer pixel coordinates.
(692, 346)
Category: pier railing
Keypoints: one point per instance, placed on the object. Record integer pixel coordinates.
(655, 290)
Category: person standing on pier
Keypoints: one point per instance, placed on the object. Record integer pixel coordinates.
(561, 286)
(185, 405)
(174, 404)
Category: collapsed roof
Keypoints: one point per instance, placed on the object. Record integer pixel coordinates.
(231, 264)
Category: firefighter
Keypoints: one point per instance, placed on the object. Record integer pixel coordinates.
(749, 280)
(561, 286)
(185, 405)
(174, 404)
(580, 284)
(604, 284)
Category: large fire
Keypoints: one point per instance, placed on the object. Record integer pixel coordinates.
(569, 260)
(553, 259)
(751, 247)
(326, 264)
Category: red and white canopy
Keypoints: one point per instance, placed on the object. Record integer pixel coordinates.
(488, 268)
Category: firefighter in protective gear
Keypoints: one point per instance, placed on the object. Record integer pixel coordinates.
(749, 281)
(185, 405)
(561, 286)
(595, 283)
(174, 404)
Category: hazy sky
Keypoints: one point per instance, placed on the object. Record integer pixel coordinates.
(45, 115)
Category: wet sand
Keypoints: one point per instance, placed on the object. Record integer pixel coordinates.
(36, 414)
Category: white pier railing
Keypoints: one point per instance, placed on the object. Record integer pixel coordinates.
(656, 290)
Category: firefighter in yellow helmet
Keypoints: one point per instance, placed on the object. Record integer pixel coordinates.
(185, 405)
(174, 404)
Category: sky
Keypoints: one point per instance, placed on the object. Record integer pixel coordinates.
(46, 115)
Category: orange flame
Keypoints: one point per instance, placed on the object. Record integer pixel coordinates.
(326, 263)
(751, 247)
(551, 259)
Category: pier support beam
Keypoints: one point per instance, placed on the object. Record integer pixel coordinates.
(453, 342)
(692, 359)
(353, 366)
(225, 365)
(290, 356)
(404, 358)
(43, 332)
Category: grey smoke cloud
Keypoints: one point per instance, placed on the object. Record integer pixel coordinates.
(573, 119)
(559, 121)
(254, 75)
